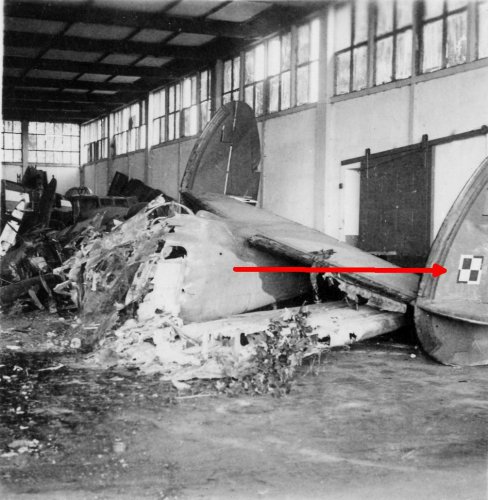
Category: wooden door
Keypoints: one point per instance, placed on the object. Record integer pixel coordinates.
(395, 206)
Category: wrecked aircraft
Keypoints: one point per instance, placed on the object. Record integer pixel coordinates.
(451, 315)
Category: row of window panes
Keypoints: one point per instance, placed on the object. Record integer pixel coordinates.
(94, 135)
(129, 140)
(181, 109)
(58, 129)
(54, 143)
(11, 141)
(444, 35)
(267, 71)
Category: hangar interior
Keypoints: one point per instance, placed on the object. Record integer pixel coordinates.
(332, 84)
(372, 116)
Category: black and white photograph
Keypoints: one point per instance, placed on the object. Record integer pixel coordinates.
(244, 250)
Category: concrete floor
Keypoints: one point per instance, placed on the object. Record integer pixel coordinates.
(372, 423)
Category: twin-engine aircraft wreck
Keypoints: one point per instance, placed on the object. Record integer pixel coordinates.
(163, 256)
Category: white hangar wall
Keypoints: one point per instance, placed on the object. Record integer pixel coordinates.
(439, 107)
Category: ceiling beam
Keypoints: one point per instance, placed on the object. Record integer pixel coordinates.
(36, 105)
(86, 13)
(84, 67)
(80, 44)
(70, 117)
(12, 82)
(58, 96)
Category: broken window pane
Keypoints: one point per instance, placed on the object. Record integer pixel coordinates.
(384, 20)
(384, 60)
(274, 94)
(359, 68)
(274, 56)
(187, 97)
(483, 29)
(456, 39)
(227, 76)
(302, 85)
(403, 67)
(259, 62)
(204, 87)
(433, 8)
(404, 13)
(285, 52)
(259, 106)
(342, 30)
(314, 39)
(432, 58)
(285, 90)
(249, 96)
(156, 131)
(303, 44)
(343, 70)
(314, 82)
(249, 76)
(360, 21)
(237, 72)
(456, 4)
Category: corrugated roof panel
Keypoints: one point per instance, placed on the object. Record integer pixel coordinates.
(72, 55)
(120, 58)
(100, 31)
(151, 35)
(190, 39)
(139, 5)
(124, 79)
(154, 62)
(33, 25)
(44, 73)
(21, 51)
(93, 77)
(239, 12)
(191, 8)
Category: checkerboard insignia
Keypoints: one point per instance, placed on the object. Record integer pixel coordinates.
(470, 269)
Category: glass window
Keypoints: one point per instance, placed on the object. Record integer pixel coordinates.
(205, 97)
(439, 50)
(254, 71)
(483, 29)
(54, 143)
(351, 54)
(94, 139)
(232, 68)
(11, 141)
(129, 128)
(174, 112)
(279, 72)
(308, 62)
(393, 40)
(157, 101)
(190, 106)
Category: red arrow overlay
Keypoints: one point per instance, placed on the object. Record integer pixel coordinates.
(436, 270)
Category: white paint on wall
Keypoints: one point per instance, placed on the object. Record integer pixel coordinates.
(453, 165)
(66, 176)
(288, 145)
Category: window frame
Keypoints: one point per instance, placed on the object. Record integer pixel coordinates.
(443, 19)
(95, 148)
(122, 132)
(55, 139)
(12, 133)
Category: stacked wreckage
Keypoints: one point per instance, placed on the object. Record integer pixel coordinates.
(152, 280)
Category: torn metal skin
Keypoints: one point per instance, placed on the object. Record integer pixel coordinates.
(180, 263)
